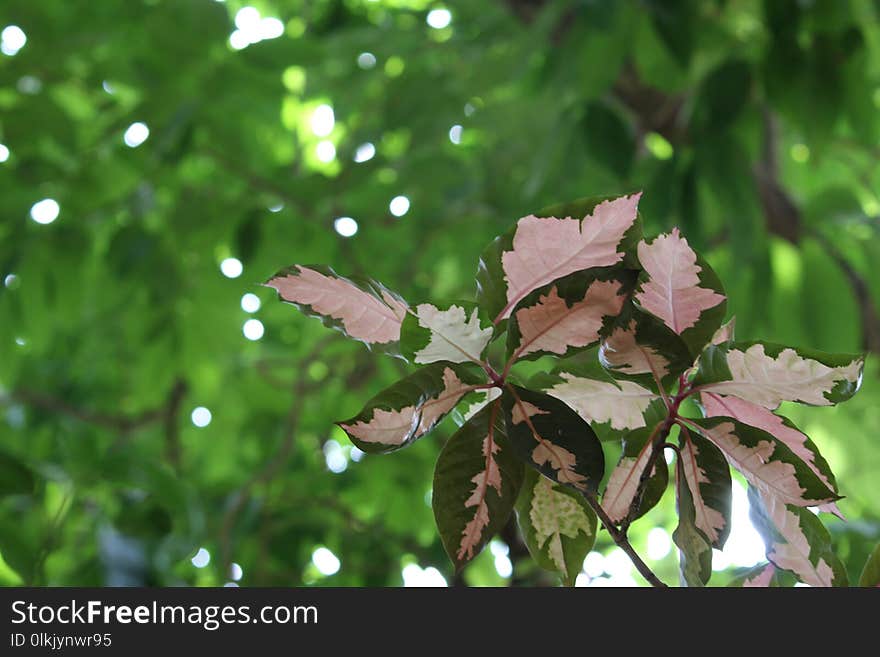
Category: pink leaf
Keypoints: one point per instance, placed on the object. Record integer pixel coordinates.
(489, 476)
(547, 248)
(761, 579)
(710, 521)
(758, 416)
(623, 484)
(793, 553)
(362, 315)
(398, 426)
(672, 291)
(621, 352)
(553, 326)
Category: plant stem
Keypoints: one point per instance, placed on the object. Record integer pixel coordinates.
(620, 538)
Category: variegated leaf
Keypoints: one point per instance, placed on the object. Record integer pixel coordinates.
(796, 540)
(641, 347)
(764, 575)
(725, 333)
(453, 332)
(708, 477)
(607, 404)
(474, 403)
(554, 243)
(360, 308)
(680, 288)
(568, 314)
(557, 524)
(780, 427)
(695, 550)
(766, 462)
(552, 438)
(476, 482)
(871, 572)
(768, 374)
(624, 480)
(410, 408)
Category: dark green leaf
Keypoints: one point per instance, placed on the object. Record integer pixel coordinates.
(476, 482)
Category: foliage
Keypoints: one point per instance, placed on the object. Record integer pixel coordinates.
(751, 125)
(556, 286)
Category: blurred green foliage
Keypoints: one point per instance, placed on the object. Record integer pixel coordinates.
(752, 125)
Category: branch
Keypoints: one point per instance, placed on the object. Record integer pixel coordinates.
(274, 464)
(172, 427)
(120, 423)
(620, 538)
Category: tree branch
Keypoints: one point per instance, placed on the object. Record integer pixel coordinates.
(274, 464)
(119, 423)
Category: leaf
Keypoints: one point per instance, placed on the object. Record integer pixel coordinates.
(410, 408)
(780, 427)
(482, 397)
(624, 480)
(476, 482)
(871, 572)
(796, 540)
(552, 438)
(16, 478)
(679, 287)
(725, 333)
(768, 374)
(361, 308)
(643, 347)
(762, 579)
(454, 333)
(558, 525)
(695, 550)
(764, 575)
(544, 247)
(708, 477)
(766, 462)
(566, 315)
(596, 396)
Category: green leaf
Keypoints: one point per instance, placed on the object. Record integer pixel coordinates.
(453, 332)
(767, 374)
(569, 314)
(623, 483)
(871, 572)
(609, 138)
(583, 234)
(552, 438)
(16, 478)
(722, 96)
(766, 462)
(558, 525)
(411, 407)
(358, 307)
(476, 482)
(695, 550)
(796, 540)
(708, 477)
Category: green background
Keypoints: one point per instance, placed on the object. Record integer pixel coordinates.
(751, 125)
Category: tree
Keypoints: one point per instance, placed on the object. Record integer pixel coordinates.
(750, 125)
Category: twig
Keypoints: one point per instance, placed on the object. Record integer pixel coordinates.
(275, 462)
(119, 423)
(172, 426)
